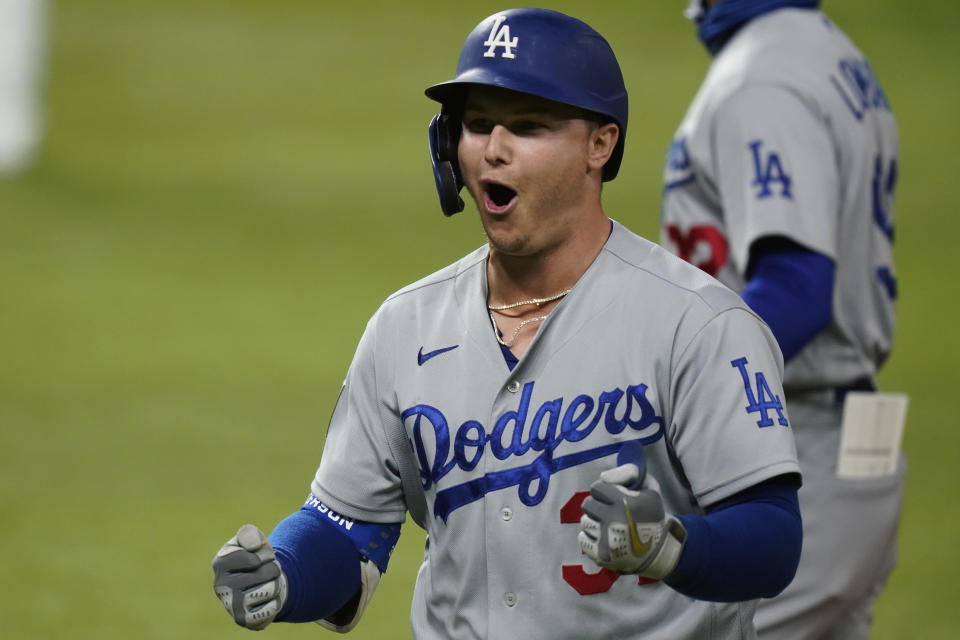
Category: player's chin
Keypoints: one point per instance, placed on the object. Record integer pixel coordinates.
(507, 241)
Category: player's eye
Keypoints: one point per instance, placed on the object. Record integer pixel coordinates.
(477, 125)
(526, 127)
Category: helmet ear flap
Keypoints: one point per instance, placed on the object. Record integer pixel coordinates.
(444, 136)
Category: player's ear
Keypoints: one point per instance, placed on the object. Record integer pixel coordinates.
(602, 142)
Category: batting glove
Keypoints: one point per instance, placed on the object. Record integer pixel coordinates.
(626, 529)
(248, 580)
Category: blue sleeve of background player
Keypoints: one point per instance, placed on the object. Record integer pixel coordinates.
(319, 552)
(745, 547)
(791, 288)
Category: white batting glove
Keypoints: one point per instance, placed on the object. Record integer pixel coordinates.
(248, 580)
(626, 529)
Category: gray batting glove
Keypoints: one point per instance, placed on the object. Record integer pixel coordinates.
(626, 529)
(248, 580)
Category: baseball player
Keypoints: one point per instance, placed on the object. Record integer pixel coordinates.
(591, 431)
(780, 182)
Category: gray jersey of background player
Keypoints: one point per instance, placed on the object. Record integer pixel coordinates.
(590, 430)
(779, 181)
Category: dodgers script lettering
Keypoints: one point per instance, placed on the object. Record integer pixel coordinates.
(519, 431)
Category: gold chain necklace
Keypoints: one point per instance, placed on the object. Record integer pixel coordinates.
(504, 307)
(536, 301)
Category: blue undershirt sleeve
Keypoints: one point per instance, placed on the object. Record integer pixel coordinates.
(745, 547)
(321, 564)
(319, 552)
(791, 288)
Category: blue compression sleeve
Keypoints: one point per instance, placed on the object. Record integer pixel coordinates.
(746, 547)
(319, 552)
(322, 566)
(792, 290)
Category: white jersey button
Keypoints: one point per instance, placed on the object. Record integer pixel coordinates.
(513, 387)
(507, 513)
(510, 598)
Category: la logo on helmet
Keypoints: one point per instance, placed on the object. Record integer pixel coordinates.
(500, 37)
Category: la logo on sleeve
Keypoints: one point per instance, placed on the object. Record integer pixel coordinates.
(764, 399)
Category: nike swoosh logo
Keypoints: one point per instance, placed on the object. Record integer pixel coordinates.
(423, 357)
(639, 548)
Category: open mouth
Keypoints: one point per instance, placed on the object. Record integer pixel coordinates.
(498, 197)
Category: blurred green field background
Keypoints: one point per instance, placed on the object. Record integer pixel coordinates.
(228, 189)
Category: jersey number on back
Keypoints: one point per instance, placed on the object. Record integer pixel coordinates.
(702, 246)
(884, 184)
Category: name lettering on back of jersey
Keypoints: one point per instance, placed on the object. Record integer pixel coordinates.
(763, 400)
(768, 172)
(516, 432)
(500, 37)
(858, 87)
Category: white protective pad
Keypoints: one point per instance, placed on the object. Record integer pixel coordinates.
(871, 434)
(369, 579)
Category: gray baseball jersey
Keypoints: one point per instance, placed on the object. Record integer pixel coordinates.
(644, 348)
(791, 135)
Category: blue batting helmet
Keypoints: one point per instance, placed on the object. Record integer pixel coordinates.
(535, 51)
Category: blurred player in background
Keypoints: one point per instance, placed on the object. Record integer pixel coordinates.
(569, 388)
(780, 182)
(22, 60)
